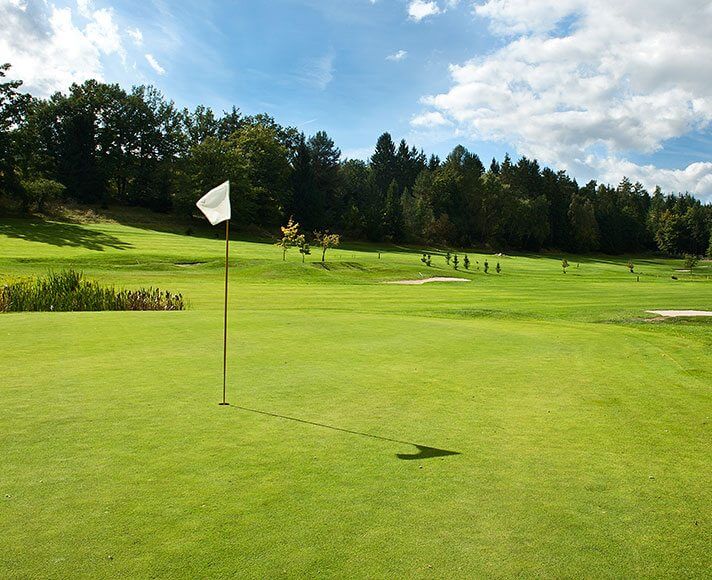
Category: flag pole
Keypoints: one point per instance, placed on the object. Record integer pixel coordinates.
(227, 254)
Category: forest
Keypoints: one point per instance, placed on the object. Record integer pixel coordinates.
(101, 144)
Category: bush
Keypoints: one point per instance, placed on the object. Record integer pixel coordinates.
(68, 291)
(40, 191)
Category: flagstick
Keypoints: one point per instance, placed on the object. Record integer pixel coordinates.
(227, 252)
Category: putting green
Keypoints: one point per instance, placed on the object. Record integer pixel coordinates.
(579, 431)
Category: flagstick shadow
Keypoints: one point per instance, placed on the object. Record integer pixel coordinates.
(424, 451)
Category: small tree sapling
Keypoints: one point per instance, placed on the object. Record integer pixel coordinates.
(326, 241)
(290, 233)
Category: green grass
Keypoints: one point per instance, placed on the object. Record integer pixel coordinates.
(582, 429)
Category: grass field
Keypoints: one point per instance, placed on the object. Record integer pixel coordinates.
(579, 429)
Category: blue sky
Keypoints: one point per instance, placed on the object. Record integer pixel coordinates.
(551, 79)
(316, 65)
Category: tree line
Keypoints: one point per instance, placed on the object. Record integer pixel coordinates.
(101, 144)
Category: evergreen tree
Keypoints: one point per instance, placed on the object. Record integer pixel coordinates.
(384, 163)
(393, 219)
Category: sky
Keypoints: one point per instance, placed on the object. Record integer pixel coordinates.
(599, 88)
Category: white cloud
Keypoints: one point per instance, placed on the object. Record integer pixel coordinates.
(84, 7)
(318, 72)
(103, 33)
(51, 47)
(419, 9)
(581, 84)
(154, 64)
(430, 120)
(362, 153)
(396, 56)
(50, 50)
(136, 35)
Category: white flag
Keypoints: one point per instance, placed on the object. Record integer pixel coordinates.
(216, 204)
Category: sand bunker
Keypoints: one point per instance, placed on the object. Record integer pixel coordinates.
(426, 280)
(673, 313)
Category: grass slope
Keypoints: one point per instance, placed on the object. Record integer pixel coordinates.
(582, 430)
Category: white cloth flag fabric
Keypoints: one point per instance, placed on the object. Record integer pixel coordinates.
(216, 204)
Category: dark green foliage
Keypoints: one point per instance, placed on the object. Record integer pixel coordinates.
(39, 191)
(498, 268)
(455, 262)
(393, 219)
(68, 291)
(304, 248)
(486, 266)
(466, 262)
(104, 145)
(447, 258)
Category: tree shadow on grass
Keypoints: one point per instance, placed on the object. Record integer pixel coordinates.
(424, 452)
(61, 234)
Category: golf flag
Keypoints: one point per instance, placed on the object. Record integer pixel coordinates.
(215, 204)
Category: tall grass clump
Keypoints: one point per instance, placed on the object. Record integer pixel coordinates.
(68, 290)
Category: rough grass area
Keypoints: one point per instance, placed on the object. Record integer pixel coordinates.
(68, 291)
(526, 424)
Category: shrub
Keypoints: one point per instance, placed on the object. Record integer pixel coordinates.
(498, 268)
(304, 247)
(466, 262)
(455, 261)
(486, 265)
(68, 291)
(40, 191)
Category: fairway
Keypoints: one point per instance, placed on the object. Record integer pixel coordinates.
(529, 423)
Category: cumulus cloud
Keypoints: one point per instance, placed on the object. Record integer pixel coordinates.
(51, 47)
(429, 120)
(581, 84)
(396, 56)
(49, 50)
(419, 9)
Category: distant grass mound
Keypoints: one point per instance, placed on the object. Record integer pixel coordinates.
(68, 290)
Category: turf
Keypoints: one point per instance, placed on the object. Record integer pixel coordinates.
(579, 429)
